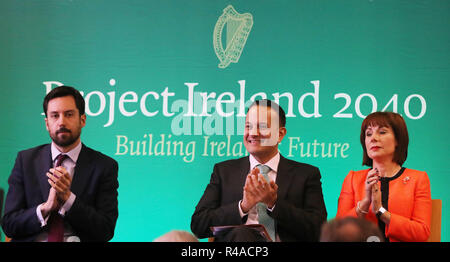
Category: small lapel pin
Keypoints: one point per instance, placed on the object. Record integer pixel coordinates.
(405, 180)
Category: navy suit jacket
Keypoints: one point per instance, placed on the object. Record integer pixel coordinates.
(299, 211)
(92, 216)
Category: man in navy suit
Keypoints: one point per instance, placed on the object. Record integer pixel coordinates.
(291, 194)
(63, 191)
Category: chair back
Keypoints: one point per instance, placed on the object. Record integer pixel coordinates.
(2, 193)
(436, 217)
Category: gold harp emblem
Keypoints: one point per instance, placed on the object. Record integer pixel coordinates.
(237, 31)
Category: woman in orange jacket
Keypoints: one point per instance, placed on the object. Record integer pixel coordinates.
(396, 198)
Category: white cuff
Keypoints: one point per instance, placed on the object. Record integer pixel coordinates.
(39, 215)
(66, 207)
(240, 210)
(271, 209)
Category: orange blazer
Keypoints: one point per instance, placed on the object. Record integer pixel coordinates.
(409, 204)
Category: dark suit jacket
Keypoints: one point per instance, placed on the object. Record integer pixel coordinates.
(94, 213)
(299, 211)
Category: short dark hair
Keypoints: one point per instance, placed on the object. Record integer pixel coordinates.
(62, 91)
(398, 125)
(349, 229)
(274, 106)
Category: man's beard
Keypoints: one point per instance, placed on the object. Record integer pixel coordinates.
(67, 139)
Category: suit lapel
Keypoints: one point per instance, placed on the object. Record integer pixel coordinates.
(244, 169)
(284, 177)
(82, 171)
(44, 163)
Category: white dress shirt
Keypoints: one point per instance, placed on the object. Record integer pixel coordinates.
(69, 164)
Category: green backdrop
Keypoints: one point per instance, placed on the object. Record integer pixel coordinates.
(154, 63)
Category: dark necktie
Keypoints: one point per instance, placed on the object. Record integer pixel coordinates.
(56, 222)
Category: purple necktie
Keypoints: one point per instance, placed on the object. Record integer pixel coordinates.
(56, 222)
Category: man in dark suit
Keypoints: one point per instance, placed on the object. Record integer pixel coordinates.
(63, 191)
(291, 194)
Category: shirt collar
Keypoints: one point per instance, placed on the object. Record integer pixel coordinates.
(72, 154)
(272, 163)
